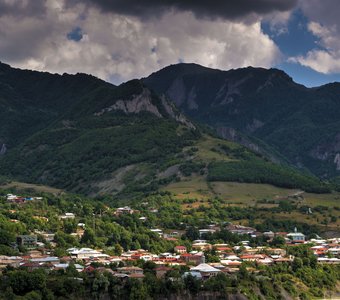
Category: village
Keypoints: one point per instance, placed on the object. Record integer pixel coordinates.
(231, 258)
(228, 259)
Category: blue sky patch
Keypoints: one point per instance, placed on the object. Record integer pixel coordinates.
(297, 40)
(307, 76)
(76, 34)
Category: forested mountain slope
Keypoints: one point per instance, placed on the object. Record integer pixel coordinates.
(84, 135)
(262, 109)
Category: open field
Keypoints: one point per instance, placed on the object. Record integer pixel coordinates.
(198, 191)
(27, 186)
(244, 193)
(205, 146)
(249, 193)
(191, 188)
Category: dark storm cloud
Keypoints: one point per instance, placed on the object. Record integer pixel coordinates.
(225, 9)
(20, 8)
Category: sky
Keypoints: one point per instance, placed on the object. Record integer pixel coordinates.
(118, 40)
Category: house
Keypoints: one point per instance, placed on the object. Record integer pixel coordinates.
(130, 270)
(334, 251)
(201, 246)
(34, 253)
(222, 248)
(326, 260)
(158, 231)
(61, 266)
(194, 274)
(269, 234)
(239, 229)
(28, 241)
(252, 257)
(174, 234)
(67, 216)
(180, 249)
(194, 259)
(30, 266)
(124, 210)
(49, 237)
(15, 199)
(232, 257)
(203, 232)
(161, 271)
(231, 263)
(12, 261)
(45, 260)
(296, 237)
(11, 197)
(206, 270)
(276, 251)
(86, 253)
(265, 261)
(283, 260)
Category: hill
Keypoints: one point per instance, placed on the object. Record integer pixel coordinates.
(262, 109)
(83, 134)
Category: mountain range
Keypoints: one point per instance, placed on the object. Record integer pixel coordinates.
(262, 109)
(85, 135)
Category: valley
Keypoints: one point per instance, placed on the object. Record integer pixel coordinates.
(131, 192)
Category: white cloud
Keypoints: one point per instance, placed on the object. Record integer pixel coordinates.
(324, 24)
(278, 22)
(327, 58)
(124, 47)
(320, 61)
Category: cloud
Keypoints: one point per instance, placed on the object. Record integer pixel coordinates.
(213, 9)
(324, 24)
(320, 61)
(119, 47)
(19, 8)
(278, 22)
(325, 12)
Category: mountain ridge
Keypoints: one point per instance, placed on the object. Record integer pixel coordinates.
(263, 104)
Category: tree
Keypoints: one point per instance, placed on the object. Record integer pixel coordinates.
(192, 284)
(149, 267)
(23, 282)
(243, 272)
(88, 237)
(33, 295)
(192, 233)
(278, 241)
(100, 285)
(138, 290)
(218, 283)
(297, 264)
(118, 249)
(6, 237)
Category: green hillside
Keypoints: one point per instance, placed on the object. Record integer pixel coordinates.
(83, 135)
